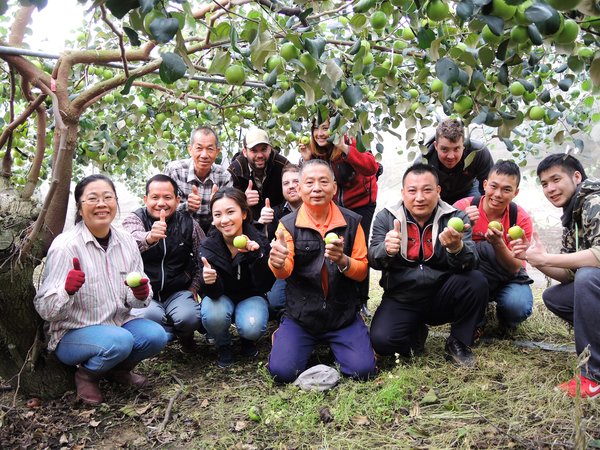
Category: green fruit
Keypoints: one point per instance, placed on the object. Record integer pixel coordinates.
(489, 37)
(235, 75)
(501, 9)
(529, 96)
(400, 45)
(379, 20)
(563, 5)
(436, 85)
(103, 158)
(456, 223)
(107, 74)
(520, 13)
(305, 140)
(161, 117)
(517, 89)
(569, 32)
(309, 63)
(240, 241)
(495, 225)
(329, 237)
(537, 113)
(437, 10)
(413, 93)
(255, 413)
(133, 279)
(516, 232)
(463, 105)
(585, 52)
(408, 34)
(289, 51)
(519, 34)
(275, 62)
(193, 84)
(368, 59)
(398, 59)
(109, 98)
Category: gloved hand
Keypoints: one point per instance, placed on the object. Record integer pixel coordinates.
(140, 292)
(75, 278)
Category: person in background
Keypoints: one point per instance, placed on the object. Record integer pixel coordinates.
(322, 273)
(356, 178)
(507, 279)
(235, 276)
(577, 267)
(199, 177)
(257, 171)
(169, 241)
(85, 299)
(462, 166)
(428, 275)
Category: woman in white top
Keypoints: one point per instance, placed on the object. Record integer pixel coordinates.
(86, 301)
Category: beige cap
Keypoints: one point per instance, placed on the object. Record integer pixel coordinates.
(256, 136)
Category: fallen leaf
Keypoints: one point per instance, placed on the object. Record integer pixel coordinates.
(240, 425)
(204, 403)
(142, 409)
(415, 411)
(430, 398)
(360, 420)
(63, 439)
(94, 423)
(325, 415)
(87, 413)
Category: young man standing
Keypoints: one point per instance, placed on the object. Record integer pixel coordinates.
(428, 272)
(169, 241)
(508, 282)
(577, 298)
(322, 281)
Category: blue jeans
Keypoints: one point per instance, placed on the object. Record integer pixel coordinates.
(514, 304)
(99, 348)
(179, 314)
(250, 315)
(277, 297)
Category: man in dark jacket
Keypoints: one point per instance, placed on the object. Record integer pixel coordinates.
(428, 276)
(462, 166)
(322, 272)
(169, 241)
(256, 171)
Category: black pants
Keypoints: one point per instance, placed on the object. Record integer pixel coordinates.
(366, 214)
(579, 304)
(461, 301)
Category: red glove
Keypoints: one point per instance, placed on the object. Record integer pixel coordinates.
(141, 292)
(75, 278)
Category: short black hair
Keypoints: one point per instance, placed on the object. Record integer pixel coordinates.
(506, 167)
(567, 163)
(162, 178)
(420, 168)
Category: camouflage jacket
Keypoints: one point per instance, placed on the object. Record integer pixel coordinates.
(583, 233)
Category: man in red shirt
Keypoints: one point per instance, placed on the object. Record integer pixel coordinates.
(508, 282)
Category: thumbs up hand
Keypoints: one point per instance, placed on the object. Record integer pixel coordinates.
(213, 191)
(158, 230)
(208, 273)
(392, 239)
(279, 250)
(75, 278)
(267, 214)
(252, 196)
(194, 200)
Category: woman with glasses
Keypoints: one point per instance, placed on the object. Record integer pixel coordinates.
(86, 300)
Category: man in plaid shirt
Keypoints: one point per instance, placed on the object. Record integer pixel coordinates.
(199, 177)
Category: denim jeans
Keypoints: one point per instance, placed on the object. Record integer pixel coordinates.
(179, 314)
(249, 315)
(99, 348)
(277, 297)
(514, 304)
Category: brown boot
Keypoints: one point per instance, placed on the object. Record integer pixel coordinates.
(122, 374)
(86, 383)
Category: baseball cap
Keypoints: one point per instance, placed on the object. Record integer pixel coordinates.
(256, 136)
(318, 378)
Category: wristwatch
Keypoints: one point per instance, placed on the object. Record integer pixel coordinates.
(346, 267)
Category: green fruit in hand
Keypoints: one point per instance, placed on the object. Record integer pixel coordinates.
(255, 413)
(516, 232)
(456, 223)
(235, 75)
(305, 140)
(240, 241)
(379, 20)
(329, 237)
(133, 279)
(437, 10)
(517, 89)
(495, 225)
(537, 113)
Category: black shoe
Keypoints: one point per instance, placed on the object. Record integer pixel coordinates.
(459, 353)
(249, 348)
(224, 356)
(188, 345)
(422, 334)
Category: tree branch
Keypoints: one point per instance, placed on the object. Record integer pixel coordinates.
(22, 118)
(285, 10)
(40, 151)
(120, 36)
(19, 25)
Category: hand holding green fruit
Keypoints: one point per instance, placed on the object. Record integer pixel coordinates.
(516, 232)
(334, 248)
(329, 237)
(240, 241)
(457, 224)
(139, 285)
(495, 225)
(133, 279)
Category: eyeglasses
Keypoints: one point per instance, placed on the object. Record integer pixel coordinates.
(95, 200)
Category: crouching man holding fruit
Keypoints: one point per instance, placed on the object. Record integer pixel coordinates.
(424, 249)
(86, 300)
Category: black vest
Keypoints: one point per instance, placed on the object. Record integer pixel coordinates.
(170, 263)
(306, 303)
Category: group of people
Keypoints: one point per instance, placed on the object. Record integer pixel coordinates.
(269, 239)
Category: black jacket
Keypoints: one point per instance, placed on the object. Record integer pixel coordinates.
(306, 301)
(246, 275)
(170, 264)
(271, 187)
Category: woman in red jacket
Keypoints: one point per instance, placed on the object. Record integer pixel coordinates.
(355, 174)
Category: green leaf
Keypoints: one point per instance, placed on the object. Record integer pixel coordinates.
(271, 79)
(261, 48)
(333, 71)
(469, 159)
(595, 71)
(464, 10)
(357, 22)
(496, 24)
(446, 70)
(220, 62)
(133, 36)
(355, 47)
(425, 37)
(565, 84)
(127, 85)
(360, 145)
(286, 101)
(163, 29)
(172, 67)
(534, 34)
(315, 47)
(120, 8)
(431, 397)
(486, 56)
(147, 5)
(352, 95)
(538, 12)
